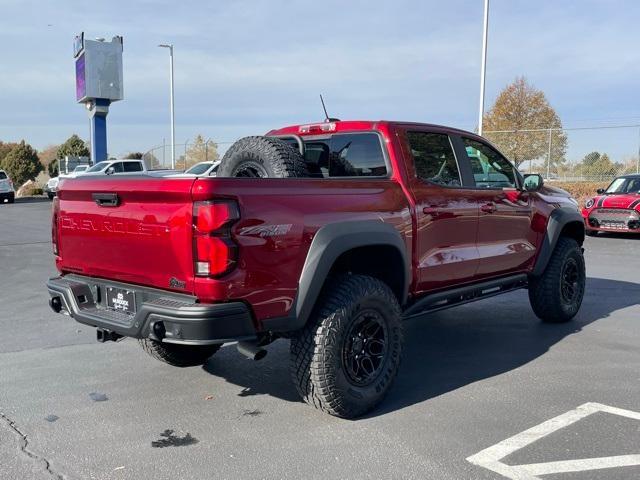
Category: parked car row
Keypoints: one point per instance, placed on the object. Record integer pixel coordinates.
(116, 167)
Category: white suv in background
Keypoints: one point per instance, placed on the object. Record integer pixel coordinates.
(52, 185)
(6, 188)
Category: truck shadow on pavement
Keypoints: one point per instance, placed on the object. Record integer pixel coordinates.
(33, 200)
(619, 236)
(446, 350)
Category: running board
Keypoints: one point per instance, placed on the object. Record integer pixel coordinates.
(459, 296)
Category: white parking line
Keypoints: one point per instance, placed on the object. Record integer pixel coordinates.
(490, 457)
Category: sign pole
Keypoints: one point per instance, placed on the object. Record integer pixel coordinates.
(98, 110)
(483, 68)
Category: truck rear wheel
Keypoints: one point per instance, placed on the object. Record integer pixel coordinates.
(262, 157)
(345, 359)
(178, 355)
(557, 294)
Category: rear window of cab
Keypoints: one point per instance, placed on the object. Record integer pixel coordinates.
(344, 155)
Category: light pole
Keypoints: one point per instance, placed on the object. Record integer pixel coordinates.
(484, 64)
(173, 118)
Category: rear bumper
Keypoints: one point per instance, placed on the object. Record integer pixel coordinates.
(165, 316)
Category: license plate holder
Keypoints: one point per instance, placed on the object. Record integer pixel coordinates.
(121, 300)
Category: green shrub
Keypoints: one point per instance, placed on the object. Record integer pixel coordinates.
(22, 163)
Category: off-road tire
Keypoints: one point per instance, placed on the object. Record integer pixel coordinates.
(546, 295)
(317, 353)
(262, 157)
(178, 355)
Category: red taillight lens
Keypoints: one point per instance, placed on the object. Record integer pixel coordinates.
(212, 216)
(214, 251)
(54, 225)
(215, 255)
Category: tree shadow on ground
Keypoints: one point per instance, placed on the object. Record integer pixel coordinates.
(446, 350)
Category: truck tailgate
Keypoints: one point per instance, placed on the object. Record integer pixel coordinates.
(135, 229)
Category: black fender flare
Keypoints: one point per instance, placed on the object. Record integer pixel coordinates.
(558, 219)
(328, 244)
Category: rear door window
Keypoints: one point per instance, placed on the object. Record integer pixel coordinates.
(132, 167)
(434, 159)
(346, 155)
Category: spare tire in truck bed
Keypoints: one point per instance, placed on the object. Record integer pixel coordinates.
(262, 157)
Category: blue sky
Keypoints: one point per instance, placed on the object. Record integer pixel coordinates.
(244, 67)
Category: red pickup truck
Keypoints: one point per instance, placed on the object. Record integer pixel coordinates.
(385, 220)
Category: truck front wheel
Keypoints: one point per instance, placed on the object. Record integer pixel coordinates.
(557, 294)
(178, 355)
(345, 359)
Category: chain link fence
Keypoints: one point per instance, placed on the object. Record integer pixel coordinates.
(186, 154)
(580, 156)
(587, 154)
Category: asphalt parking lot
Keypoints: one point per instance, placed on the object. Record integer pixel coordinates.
(472, 381)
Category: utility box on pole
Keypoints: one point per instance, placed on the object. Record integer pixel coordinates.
(98, 83)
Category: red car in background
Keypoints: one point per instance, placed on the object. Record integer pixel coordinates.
(616, 208)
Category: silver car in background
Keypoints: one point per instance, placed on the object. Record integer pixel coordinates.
(7, 193)
(204, 169)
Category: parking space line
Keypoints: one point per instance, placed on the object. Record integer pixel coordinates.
(581, 465)
(490, 457)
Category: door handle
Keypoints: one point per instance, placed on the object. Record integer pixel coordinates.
(105, 199)
(429, 210)
(488, 207)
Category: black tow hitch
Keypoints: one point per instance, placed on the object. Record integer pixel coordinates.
(103, 335)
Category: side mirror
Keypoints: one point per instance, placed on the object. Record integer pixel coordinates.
(533, 182)
(600, 191)
(110, 171)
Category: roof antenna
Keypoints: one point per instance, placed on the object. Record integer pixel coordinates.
(327, 118)
(326, 115)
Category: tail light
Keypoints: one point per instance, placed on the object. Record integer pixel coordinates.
(214, 251)
(54, 225)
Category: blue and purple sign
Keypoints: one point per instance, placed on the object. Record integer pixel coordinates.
(81, 84)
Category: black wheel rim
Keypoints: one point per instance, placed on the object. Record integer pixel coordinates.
(569, 283)
(365, 348)
(250, 170)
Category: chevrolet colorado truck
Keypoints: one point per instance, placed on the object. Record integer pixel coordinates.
(374, 222)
